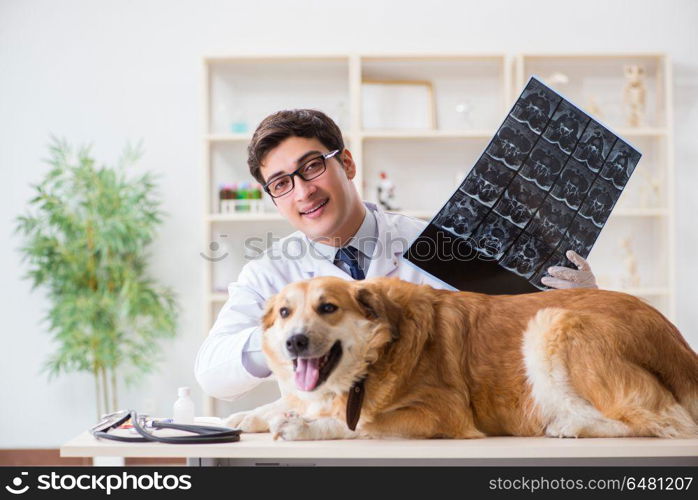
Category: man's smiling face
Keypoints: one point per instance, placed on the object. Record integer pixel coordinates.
(324, 208)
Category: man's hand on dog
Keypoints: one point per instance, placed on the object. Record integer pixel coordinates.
(564, 277)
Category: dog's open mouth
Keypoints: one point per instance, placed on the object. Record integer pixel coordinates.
(311, 372)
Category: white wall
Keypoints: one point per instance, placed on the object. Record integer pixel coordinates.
(109, 71)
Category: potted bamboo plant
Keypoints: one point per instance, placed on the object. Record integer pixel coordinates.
(85, 237)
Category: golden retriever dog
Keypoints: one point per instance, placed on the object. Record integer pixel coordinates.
(386, 358)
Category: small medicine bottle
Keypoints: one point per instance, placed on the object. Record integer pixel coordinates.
(183, 409)
(243, 194)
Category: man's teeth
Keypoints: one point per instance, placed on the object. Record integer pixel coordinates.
(313, 209)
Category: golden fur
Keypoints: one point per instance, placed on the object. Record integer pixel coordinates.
(582, 363)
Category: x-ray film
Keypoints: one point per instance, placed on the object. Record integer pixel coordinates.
(546, 183)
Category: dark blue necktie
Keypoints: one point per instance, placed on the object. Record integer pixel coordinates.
(350, 256)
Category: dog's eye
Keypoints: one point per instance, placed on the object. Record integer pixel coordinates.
(327, 308)
(284, 312)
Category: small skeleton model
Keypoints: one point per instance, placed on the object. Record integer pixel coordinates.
(386, 192)
(634, 94)
(631, 278)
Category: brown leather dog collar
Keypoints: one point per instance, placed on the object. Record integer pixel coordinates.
(354, 402)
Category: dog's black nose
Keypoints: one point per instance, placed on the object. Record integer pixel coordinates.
(297, 344)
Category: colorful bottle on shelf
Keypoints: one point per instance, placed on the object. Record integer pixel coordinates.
(258, 205)
(222, 197)
(226, 198)
(243, 195)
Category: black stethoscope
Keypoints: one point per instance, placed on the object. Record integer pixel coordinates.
(203, 434)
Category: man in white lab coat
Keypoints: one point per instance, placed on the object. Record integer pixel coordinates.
(300, 158)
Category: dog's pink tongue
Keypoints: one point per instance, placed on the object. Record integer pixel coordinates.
(307, 373)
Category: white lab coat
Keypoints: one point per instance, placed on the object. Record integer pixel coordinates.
(218, 368)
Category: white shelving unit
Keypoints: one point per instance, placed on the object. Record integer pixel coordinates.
(240, 91)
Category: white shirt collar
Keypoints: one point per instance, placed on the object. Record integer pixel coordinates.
(364, 240)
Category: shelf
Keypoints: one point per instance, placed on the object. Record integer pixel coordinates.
(246, 137)
(271, 216)
(641, 131)
(242, 217)
(586, 55)
(218, 297)
(427, 57)
(640, 212)
(274, 58)
(427, 134)
(441, 134)
(228, 137)
(487, 133)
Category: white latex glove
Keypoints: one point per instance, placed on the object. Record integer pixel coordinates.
(564, 277)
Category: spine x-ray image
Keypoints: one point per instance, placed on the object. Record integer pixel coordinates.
(546, 183)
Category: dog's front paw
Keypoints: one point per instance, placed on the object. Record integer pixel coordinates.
(291, 427)
(247, 421)
(235, 419)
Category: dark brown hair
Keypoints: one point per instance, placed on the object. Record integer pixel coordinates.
(275, 128)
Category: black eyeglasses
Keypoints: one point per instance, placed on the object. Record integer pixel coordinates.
(311, 169)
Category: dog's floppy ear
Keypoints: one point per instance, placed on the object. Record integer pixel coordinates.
(376, 306)
(269, 315)
(368, 302)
